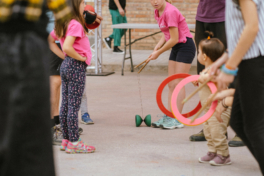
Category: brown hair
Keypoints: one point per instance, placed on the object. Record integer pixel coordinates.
(61, 28)
(169, 1)
(212, 47)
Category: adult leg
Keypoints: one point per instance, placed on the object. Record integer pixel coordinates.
(175, 68)
(84, 111)
(55, 83)
(84, 108)
(199, 35)
(219, 31)
(117, 33)
(251, 83)
(25, 71)
(123, 31)
(236, 120)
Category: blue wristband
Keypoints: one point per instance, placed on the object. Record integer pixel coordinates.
(228, 71)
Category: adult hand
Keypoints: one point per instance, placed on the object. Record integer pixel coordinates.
(223, 80)
(121, 11)
(217, 97)
(214, 68)
(153, 56)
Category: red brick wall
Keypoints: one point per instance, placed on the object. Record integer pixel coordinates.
(141, 11)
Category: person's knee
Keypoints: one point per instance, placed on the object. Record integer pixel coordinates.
(55, 81)
(173, 84)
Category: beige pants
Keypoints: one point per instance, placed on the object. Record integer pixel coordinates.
(215, 131)
(215, 134)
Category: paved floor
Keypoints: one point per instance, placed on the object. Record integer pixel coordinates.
(123, 149)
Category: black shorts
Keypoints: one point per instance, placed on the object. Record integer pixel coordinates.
(183, 52)
(55, 63)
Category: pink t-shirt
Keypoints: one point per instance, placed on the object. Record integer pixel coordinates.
(81, 44)
(172, 17)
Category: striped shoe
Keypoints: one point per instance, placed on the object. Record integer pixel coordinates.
(80, 147)
(64, 144)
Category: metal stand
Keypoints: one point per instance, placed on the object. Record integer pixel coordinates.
(98, 45)
(130, 55)
(129, 44)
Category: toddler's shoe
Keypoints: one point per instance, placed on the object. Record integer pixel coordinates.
(207, 158)
(220, 160)
(64, 144)
(80, 147)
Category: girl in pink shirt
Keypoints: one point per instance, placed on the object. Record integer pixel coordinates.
(76, 48)
(176, 36)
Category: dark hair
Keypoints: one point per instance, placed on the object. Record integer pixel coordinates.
(213, 47)
(61, 29)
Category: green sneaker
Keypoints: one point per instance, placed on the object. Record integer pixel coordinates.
(171, 124)
(198, 137)
(160, 121)
(236, 142)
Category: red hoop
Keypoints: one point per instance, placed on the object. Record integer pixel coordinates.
(159, 99)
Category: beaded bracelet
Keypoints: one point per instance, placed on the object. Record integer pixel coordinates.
(228, 71)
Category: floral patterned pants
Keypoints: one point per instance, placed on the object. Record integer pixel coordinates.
(72, 74)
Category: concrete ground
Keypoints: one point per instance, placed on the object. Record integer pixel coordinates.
(124, 149)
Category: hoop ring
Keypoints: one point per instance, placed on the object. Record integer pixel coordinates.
(175, 110)
(159, 94)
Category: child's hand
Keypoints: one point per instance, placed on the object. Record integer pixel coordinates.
(98, 19)
(83, 59)
(154, 56)
(203, 78)
(195, 83)
(218, 112)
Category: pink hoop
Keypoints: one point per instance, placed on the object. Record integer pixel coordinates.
(174, 107)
